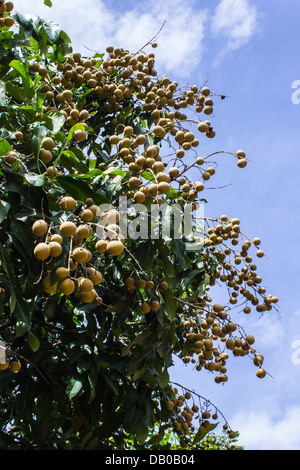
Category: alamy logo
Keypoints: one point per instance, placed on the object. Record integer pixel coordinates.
(296, 94)
(170, 222)
(2, 352)
(2, 93)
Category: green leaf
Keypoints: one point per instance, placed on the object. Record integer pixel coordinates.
(26, 80)
(164, 378)
(34, 342)
(201, 434)
(80, 190)
(54, 120)
(169, 304)
(74, 386)
(5, 147)
(4, 208)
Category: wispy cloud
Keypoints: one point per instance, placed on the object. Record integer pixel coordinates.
(182, 43)
(262, 430)
(236, 21)
(95, 25)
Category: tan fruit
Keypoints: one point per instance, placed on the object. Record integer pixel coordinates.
(80, 135)
(113, 216)
(174, 172)
(202, 127)
(141, 284)
(10, 157)
(85, 285)
(242, 163)
(40, 228)
(164, 285)
(45, 155)
(9, 6)
(80, 254)
(4, 365)
(240, 154)
(261, 373)
(88, 297)
(67, 229)
(83, 231)
(9, 21)
(15, 366)
(42, 251)
(62, 273)
(94, 275)
(115, 247)
(163, 187)
(48, 143)
(86, 215)
(259, 253)
(155, 305)
(170, 405)
(145, 308)
(51, 171)
(67, 286)
(68, 203)
(56, 238)
(101, 246)
(2, 292)
(51, 289)
(150, 284)
(55, 249)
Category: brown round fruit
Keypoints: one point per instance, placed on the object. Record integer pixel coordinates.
(67, 286)
(40, 228)
(42, 251)
(115, 247)
(67, 229)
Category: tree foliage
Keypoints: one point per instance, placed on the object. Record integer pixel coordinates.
(91, 323)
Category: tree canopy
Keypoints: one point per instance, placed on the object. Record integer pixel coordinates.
(97, 293)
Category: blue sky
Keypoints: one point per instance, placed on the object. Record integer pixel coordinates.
(248, 50)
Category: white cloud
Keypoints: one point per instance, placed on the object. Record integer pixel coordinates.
(261, 430)
(236, 20)
(96, 25)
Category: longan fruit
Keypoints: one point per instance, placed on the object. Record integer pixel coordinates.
(55, 249)
(68, 203)
(48, 143)
(86, 215)
(40, 228)
(42, 251)
(67, 229)
(86, 285)
(4, 365)
(67, 286)
(80, 254)
(145, 307)
(62, 273)
(115, 247)
(15, 366)
(45, 155)
(155, 305)
(80, 135)
(101, 246)
(260, 373)
(83, 231)
(88, 297)
(56, 238)
(94, 275)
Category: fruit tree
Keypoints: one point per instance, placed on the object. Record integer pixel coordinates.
(97, 294)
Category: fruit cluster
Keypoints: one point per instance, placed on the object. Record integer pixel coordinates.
(6, 21)
(77, 273)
